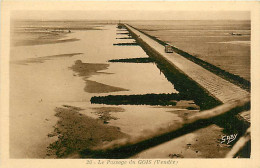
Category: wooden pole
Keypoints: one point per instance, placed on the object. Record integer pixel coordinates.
(174, 126)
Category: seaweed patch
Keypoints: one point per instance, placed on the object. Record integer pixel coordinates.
(77, 132)
(133, 60)
(146, 99)
(126, 44)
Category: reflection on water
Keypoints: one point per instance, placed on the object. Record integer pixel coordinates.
(70, 74)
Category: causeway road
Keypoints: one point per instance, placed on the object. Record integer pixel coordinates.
(219, 88)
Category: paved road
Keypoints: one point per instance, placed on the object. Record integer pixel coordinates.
(218, 87)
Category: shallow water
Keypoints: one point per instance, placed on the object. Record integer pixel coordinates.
(39, 87)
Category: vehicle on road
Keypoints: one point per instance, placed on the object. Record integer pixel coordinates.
(168, 49)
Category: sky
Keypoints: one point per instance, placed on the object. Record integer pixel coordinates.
(130, 15)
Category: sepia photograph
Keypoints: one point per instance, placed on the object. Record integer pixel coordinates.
(129, 83)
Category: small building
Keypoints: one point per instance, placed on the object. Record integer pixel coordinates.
(168, 49)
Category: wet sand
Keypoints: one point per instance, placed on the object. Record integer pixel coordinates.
(104, 113)
(95, 87)
(211, 41)
(51, 115)
(43, 59)
(86, 70)
(203, 143)
(76, 132)
(27, 33)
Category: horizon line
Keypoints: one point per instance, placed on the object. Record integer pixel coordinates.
(129, 20)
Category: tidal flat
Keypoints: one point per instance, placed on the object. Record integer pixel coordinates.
(56, 68)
